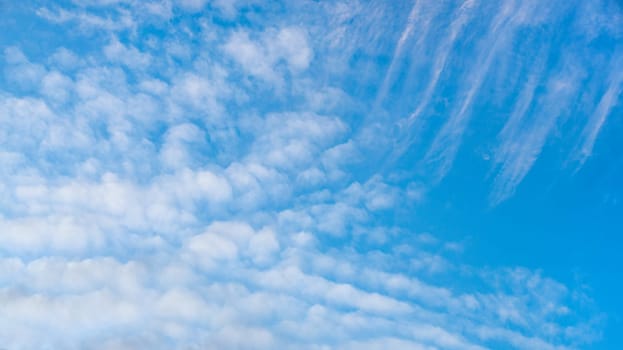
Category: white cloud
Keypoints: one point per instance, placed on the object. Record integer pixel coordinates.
(251, 56)
(86, 20)
(129, 56)
(56, 86)
(263, 246)
(292, 140)
(175, 152)
(608, 100)
(445, 146)
(260, 57)
(192, 5)
(209, 249)
(229, 8)
(64, 59)
(51, 234)
(21, 71)
(200, 93)
(519, 152)
(291, 44)
(155, 200)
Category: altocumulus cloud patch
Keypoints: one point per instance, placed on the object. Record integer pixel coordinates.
(236, 174)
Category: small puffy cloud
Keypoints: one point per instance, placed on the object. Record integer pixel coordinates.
(175, 152)
(13, 55)
(208, 249)
(192, 5)
(292, 140)
(56, 86)
(251, 56)
(376, 194)
(263, 246)
(50, 234)
(229, 8)
(199, 93)
(20, 71)
(65, 59)
(291, 44)
(129, 56)
(259, 58)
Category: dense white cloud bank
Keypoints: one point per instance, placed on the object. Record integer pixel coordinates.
(195, 189)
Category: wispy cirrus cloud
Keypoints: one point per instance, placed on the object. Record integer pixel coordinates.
(488, 47)
(607, 101)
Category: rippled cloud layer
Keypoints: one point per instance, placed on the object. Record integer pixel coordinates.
(224, 174)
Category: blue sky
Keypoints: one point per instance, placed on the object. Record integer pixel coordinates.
(246, 174)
